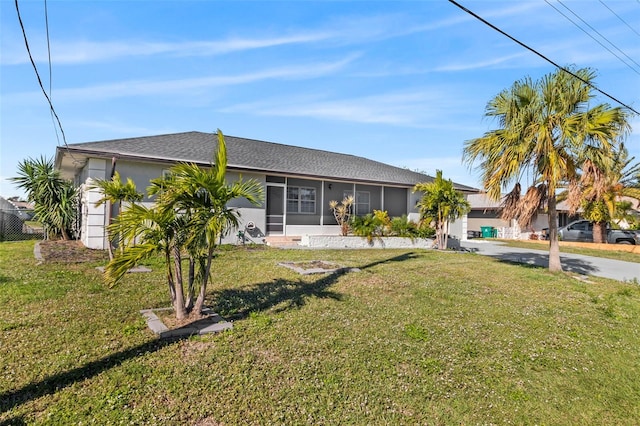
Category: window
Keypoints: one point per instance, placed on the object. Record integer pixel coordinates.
(361, 203)
(275, 179)
(301, 200)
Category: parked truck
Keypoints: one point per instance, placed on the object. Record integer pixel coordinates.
(582, 230)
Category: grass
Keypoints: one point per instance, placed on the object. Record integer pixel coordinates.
(416, 337)
(608, 254)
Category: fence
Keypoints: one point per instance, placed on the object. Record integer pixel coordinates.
(18, 225)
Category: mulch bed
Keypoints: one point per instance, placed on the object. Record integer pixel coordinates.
(61, 251)
(169, 319)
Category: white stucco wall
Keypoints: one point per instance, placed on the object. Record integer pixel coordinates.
(94, 218)
(337, 241)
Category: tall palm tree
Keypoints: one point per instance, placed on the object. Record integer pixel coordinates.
(441, 203)
(115, 192)
(544, 127)
(190, 215)
(54, 198)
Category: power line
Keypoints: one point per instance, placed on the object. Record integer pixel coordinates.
(618, 16)
(46, 24)
(484, 21)
(592, 37)
(35, 68)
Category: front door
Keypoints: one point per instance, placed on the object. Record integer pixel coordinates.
(275, 210)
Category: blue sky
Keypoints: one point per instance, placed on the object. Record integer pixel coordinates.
(405, 83)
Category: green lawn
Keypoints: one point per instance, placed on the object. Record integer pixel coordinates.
(416, 337)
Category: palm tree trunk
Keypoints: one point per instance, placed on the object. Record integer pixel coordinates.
(205, 279)
(65, 236)
(446, 235)
(109, 242)
(178, 304)
(600, 232)
(554, 246)
(172, 285)
(191, 292)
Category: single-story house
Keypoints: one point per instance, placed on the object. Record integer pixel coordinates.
(298, 182)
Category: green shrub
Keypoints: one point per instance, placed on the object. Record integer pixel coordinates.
(366, 226)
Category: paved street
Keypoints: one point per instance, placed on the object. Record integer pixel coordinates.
(576, 263)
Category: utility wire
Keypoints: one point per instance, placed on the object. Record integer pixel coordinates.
(592, 37)
(618, 16)
(484, 21)
(46, 24)
(35, 68)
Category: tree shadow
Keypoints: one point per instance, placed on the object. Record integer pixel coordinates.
(56, 382)
(282, 294)
(13, 421)
(239, 303)
(539, 260)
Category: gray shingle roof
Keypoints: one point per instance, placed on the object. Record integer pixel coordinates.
(249, 154)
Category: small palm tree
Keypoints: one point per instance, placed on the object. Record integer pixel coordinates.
(158, 232)
(191, 215)
(55, 198)
(544, 127)
(442, 204)
(115, 192)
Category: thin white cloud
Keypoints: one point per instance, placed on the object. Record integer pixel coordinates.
(504, 61)
(80, 52)
(344, 30)
(184, 86)
(419, 109)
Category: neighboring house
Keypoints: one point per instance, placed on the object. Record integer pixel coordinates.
(486, 212)
(13, 214)
(21, 209)
(299, 182)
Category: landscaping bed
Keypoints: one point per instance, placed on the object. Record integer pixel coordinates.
(70, 251)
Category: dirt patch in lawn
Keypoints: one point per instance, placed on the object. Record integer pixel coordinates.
(168, 317)
(61, 251)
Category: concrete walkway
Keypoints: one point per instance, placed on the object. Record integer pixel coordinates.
(574, 263)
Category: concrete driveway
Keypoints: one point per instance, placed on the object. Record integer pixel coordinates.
(575, 263)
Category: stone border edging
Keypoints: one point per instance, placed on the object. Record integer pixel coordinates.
(37, 253)
(214, 323)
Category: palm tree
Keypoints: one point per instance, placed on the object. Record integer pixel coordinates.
(191, 214)
(441, 203)
(55, 198)
(158, 232)
(544, 127)
(602, 183)
(115, 192)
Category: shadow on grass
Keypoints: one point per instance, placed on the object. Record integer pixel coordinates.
(56, 382)
(234, 304)
(282, 294)
(575, 266)
(13, 421)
